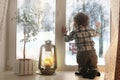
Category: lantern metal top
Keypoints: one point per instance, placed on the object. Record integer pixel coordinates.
(48, 45)
(48, 42)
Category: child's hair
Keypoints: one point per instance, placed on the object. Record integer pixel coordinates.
(81, 19)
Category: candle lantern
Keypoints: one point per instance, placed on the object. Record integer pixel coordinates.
(47, 58)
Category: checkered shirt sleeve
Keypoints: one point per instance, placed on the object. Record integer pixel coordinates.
(83, 38)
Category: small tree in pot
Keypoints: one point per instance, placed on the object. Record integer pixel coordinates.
(26, 21)
(29, 25)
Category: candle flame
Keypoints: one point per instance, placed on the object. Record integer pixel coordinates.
(48, 61)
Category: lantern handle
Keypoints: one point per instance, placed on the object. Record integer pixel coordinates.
(55, 66)
(40, 55)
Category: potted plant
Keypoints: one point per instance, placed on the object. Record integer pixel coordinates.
(26, 20)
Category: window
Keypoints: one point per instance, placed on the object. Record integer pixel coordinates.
(42, 28)
(98, 13)
(48, 16)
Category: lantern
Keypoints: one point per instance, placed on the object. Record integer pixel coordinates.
(47, 58)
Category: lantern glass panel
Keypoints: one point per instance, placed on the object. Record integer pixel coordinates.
(47, 58)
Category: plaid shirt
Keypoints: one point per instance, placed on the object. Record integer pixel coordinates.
(83, 38)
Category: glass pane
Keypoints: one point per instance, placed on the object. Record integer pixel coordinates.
(98, 13)
(35, 26)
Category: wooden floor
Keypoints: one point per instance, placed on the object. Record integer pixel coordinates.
(61, 75)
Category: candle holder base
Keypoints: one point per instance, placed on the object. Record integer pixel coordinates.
(47, 71)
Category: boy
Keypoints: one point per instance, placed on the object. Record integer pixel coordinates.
(86, 54)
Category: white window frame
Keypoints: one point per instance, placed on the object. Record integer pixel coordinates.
(59, 38)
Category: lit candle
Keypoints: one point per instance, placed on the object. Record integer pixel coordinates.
(48, 61)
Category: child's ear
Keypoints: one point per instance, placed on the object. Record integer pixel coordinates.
(75, 24)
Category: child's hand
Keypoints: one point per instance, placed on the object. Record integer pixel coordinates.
(98, 25)
(64, 30)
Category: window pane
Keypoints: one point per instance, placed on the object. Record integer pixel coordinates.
(98, 13)
(35, 26)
